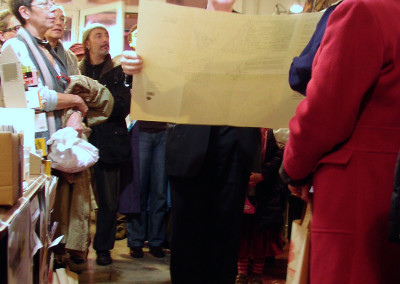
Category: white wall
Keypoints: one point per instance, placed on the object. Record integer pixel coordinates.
(261, 7)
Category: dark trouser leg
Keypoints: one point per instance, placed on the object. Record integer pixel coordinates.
(107, 191)
(206, 216)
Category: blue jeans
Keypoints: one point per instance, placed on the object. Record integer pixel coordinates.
(153, 193)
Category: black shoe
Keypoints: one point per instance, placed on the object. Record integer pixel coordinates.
(77, 260)
(78, 257)
(136, 252)
(103, 258)
(157, 251)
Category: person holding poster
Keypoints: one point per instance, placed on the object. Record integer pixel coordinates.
(208, 169)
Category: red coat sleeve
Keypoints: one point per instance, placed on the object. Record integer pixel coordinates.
(346, 66)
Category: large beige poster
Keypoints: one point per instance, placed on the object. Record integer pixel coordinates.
(215, 68)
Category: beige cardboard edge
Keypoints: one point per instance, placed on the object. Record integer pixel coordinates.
(13, 91)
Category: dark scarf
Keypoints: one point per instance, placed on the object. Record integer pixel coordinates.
(96, 71)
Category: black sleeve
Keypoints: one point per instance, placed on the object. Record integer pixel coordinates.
(115, 82)
(272, 159)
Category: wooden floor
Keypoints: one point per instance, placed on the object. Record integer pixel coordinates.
(151, 270)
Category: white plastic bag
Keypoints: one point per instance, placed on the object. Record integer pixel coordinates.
(281, 136)
(69, 153)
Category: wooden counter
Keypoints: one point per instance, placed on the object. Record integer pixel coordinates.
(7, 214)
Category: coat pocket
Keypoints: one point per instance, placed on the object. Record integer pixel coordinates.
(340, 157)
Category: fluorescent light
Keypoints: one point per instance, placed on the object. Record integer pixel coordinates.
(296, 8)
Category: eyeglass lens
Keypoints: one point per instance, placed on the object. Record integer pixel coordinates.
(12, 29)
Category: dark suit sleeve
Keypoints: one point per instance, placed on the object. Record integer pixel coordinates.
(300, 69)
(272, 160)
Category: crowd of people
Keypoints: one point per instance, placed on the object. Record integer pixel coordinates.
(229, 185)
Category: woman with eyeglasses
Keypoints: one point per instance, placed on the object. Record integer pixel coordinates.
(33, 50)
(9, 25)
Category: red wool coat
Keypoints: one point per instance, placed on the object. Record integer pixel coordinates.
(347, 134)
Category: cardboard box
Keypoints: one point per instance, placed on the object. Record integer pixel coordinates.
(12, 81)
(10, 169)
(35, 164)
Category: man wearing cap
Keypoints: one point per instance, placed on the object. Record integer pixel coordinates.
(111, 137)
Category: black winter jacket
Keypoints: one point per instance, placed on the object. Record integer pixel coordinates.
(111, 137)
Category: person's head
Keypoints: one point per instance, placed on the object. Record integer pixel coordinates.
(35, 15)
(9, 25)
(77, 49)
(221, 5)
(95, 40)
(57, 31)
(132, 37)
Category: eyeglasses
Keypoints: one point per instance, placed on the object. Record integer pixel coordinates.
(12, 29)
(46, 5)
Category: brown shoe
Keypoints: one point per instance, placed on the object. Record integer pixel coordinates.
(77, 256)
(242, 279)
(256, 279)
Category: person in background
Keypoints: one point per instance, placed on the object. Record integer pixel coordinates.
(111, 137)
(9, 25)
(344, 141)
(77, 49)
(55, 35)
(153, 186)
(61, 108)
(153, 192)
(208, 169)
(34, 51)
(263, 214)
(72, 203)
